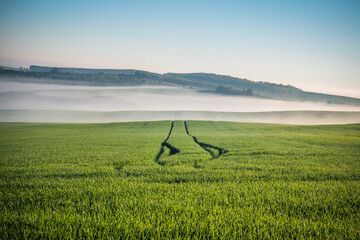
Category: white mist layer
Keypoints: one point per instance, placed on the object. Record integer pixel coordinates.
(283, 117)
(34, 96)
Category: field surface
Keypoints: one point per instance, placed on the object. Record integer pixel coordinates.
(179, 180)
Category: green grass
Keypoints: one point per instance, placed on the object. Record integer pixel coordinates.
(79, 181)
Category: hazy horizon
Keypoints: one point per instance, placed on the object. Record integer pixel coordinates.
(355, 93)
(40, 96)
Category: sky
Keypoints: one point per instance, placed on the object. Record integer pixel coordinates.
(311, 44)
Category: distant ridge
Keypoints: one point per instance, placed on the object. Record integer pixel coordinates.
(35, 68)
(204, 82)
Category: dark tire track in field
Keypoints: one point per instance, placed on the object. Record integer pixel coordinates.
(173, 150)
(207, 147)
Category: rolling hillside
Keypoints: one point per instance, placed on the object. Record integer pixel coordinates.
(202, 81)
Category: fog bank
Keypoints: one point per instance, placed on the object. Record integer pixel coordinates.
(34, 102)
(283, 117)
(34, 96)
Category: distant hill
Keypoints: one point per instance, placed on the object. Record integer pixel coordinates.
(35, 68)
(208, 82)
(265, 89)
(14, 69)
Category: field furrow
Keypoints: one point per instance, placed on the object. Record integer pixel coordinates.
(214, 151)
(172, 150)
(187, 152)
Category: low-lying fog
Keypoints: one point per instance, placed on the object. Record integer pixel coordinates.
(35, 102)
(17, 95)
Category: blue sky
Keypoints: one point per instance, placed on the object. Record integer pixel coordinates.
(311, 44)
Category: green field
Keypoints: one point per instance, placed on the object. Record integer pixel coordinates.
(199, 180)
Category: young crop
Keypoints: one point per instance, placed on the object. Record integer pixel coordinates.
(80, 181)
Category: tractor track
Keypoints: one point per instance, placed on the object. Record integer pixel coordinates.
(207, 147)
(173, 150)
